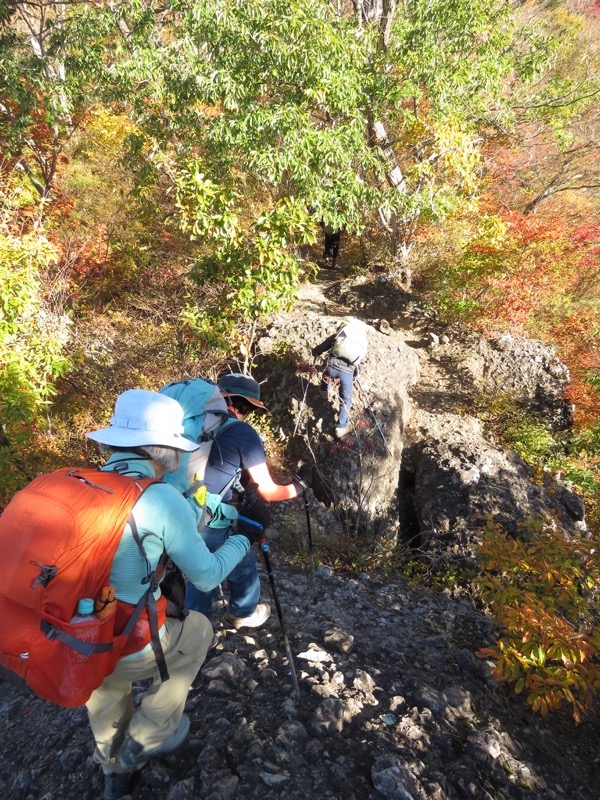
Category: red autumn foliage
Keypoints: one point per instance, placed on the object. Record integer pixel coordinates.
(363, 424)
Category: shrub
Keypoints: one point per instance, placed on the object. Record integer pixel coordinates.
(32, 339)
(544, 590)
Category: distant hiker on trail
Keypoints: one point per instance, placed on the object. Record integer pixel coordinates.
(347, 349)
(332, 245)
(145, 440)
(238, 449)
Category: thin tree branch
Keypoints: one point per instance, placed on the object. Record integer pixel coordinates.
(558, 104)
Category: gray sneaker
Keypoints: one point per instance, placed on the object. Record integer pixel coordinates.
(134, 755)
(255, 620)
(341, 432)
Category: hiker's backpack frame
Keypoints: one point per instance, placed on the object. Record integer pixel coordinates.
(58, 538)
(205, 414)
(351, 341)
(204, 411)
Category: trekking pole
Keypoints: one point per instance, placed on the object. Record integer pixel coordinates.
(264, 546)
(303, 403)
(370, 407)
(311, 582)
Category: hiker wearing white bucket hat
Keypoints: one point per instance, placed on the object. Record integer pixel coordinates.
(146, 437)
(145, 418)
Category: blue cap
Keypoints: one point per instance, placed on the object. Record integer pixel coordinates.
(239, 385)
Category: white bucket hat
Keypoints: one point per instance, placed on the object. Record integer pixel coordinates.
(145, 418)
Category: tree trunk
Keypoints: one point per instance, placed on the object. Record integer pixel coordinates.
(381, 13)
(4, 440)
(399, 229)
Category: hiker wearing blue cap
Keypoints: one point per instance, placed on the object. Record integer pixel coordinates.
(238, 449)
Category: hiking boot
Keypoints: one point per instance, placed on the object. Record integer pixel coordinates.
(116, 785)
(134, 755)
(327, 392)
(260, 616)
(341, 432)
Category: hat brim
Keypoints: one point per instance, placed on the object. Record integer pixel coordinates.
(123, 437)
(256, 403)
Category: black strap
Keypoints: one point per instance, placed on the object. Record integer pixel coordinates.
(155, 638)
(236, 476)
(85, 648)
(135, 614)
(149, 601)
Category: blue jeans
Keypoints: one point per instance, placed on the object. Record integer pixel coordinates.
(243, 581)
(346, 386)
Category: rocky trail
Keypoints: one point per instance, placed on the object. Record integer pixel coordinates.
(393, 701)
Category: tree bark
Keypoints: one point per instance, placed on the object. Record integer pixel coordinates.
(4, 440)
(381, 13)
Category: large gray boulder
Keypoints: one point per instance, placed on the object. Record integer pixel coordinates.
(525, 370)
(464, 482)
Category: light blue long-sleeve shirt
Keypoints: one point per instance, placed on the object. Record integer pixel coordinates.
(165, 521)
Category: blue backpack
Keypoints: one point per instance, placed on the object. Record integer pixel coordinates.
(204, 413)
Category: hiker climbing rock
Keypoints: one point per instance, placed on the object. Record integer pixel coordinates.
(238, 450)
(346, 349)
(145, 440)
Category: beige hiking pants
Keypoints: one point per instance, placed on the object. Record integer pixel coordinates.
(110, 708)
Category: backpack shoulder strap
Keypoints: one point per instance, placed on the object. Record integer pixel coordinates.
(147, 600)
(193, 487)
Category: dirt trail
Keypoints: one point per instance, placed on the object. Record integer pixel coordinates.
(437, 390)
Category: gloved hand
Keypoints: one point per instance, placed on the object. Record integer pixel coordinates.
(254, 533)
(255, 509)
(303, 478)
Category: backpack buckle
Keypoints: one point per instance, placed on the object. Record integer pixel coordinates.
(49, 630)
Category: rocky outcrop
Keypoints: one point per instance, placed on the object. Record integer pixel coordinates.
(456, 477)
(526, 370)
(439, 474)
(356, 478)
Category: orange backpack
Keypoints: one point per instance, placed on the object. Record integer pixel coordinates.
(58, 538)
